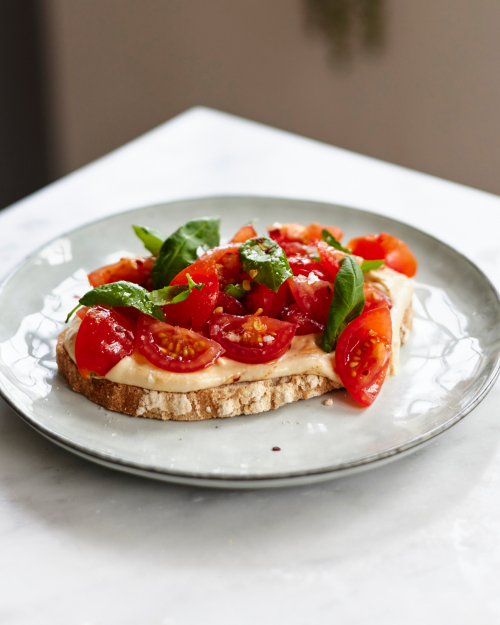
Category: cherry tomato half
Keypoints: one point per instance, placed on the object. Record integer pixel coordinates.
(374, 298)
(396, 253)
(197, 308)
(104, 337)
(244, 233)
(304, 322)
(251, 339)
(230, 305)
(136, 270)
(362, 354)
(312, 295)
(270, 303)
(175, 349)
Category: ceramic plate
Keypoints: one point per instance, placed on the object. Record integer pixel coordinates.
(447, 366)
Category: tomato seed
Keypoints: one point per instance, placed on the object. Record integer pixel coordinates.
(246, 285)
(353, 364)
(252, 273)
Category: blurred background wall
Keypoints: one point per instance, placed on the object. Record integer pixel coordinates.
(429, 98)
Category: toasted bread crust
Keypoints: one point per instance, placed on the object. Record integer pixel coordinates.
(223, 401)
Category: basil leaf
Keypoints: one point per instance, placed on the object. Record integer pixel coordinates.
(179, 250)
(152, 239)
(368, 265)
(236, 290)
(347, 303)
(266, 257)
(331, 240)
(174, 294)
(121, 294)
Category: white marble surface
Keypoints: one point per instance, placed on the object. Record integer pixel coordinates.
(416, 541)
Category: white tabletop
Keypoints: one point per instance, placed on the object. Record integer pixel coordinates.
(416, 541)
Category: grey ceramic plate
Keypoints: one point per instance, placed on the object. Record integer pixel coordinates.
(448, 365)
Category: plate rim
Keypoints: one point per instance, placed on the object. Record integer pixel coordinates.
(278, 479)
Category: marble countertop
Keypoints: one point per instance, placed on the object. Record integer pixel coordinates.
(415, 541)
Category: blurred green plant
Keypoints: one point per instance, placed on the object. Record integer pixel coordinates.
(347, 25)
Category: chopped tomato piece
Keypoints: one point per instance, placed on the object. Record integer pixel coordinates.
(362, 354)
(104, 337)
(244, 233)
(304, 322)
(303, 266)
(312, 295)
(270, 303)
(287, 233)
(330, 258)
(197, 308)
(175, 349)
(81, 312)
(136, 270)
(294, 248)
(374, 298)
(216, 253)
(396, 253)
(227, 262)
(230, 305)
(251, 339)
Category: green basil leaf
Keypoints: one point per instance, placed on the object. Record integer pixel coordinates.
(368, 265)
(121, 294)
(347, 303)
(236, 290)
(152, 239)
(267, 258)
(331, 240)
(179, 250)
(174, 294)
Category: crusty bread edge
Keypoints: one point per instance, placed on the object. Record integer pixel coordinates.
(223, 401)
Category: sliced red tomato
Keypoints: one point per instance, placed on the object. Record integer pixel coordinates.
(396, 253)
(136, 270)
(312, 295)
(251, 339)
(292, 232)
(216, 253)
(175, 349)
(304, 322)
(303, 266)
(294, 248)
(374, 298)
(104, 337)
(227, 263)
(270, 303)
(244, 233)
(330, 258)
(197, 308)
(230, 305)
(362, 354)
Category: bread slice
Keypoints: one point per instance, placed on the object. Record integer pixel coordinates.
(229, 400)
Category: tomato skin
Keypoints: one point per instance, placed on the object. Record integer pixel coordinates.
(189, 351)
(303, 266)
(136, 270)
(104, 337)
(394, 251)
(197, 308)
(239, 336)
(312, 297)
(230, 305)
(263, 297)
(366, 340)
(304, 322)
(244, 233)
(374, 298)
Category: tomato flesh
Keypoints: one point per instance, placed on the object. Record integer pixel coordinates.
(230, 305)
(244, 233)
(303, 266)
(104, 337)
(292, 232)
(175, 349)
(136, 270)
(396, 253)
(304, 322)
(270, 303)
(197, 308)
(315, 231)
(293, 248)
(312, 295)
(362, 354)
(251, 339)
(374, 298)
